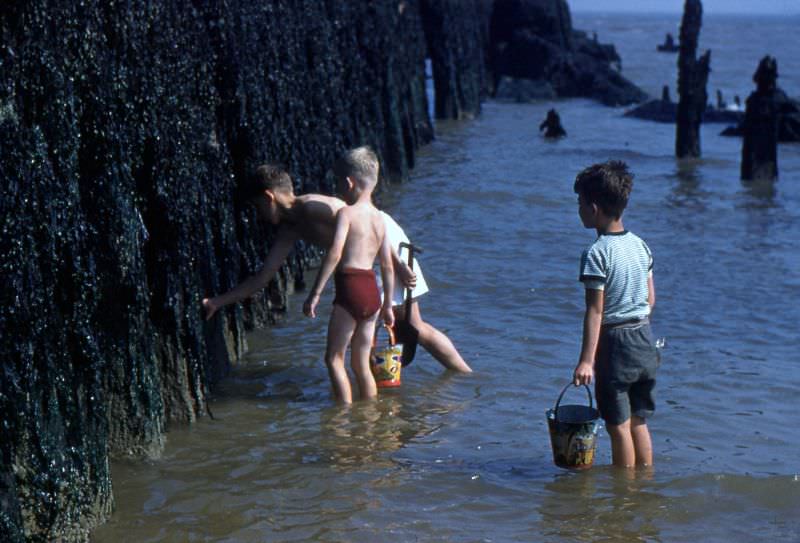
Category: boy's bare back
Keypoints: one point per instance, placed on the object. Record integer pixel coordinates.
(315, 218)
(365, 234)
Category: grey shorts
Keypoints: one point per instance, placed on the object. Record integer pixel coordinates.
(625, 373)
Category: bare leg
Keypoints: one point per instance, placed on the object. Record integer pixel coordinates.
(434, 341)
(340, 330)
(622, 451)
(359, 357)
(641, 441)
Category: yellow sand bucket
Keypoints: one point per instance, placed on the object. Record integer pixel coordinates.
(386, 362)
(573, 432)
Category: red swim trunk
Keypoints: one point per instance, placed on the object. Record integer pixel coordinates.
(357, 292)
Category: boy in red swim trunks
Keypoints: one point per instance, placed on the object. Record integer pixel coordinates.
(358, 240)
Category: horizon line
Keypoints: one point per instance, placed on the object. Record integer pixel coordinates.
(680, 12)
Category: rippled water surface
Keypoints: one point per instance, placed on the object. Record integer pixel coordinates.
(466, 458)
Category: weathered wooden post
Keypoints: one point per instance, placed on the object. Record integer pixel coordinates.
(761, 122)
(692, 79)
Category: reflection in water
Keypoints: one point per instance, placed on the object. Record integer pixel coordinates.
(762, 191)
(364, 434)
(367, 433)
(688, 191)
(758, 205)
(604, 504)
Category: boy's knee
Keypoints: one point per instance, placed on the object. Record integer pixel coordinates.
(621, 428)
(334, 359)
(637, 421)
(360, 367)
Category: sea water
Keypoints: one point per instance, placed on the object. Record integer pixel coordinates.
(466, 458)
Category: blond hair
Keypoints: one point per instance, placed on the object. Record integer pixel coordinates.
(360, 163)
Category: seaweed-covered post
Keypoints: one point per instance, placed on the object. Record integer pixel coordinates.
(455, 37)
(692, 79)
(760, 126)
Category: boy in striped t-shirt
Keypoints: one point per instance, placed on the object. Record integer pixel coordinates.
(617, 348)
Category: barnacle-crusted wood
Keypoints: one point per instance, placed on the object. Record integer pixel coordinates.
(125, 129)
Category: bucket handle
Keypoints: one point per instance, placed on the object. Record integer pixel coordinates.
(558, 402)
(392, 340)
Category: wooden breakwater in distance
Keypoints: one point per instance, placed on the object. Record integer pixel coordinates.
(692, 79)
(766, 107)
(125, 130)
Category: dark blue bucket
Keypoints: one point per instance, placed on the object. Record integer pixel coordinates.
(573, 432)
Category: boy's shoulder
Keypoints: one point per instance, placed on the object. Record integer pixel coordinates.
(316, 207)
(363, 212)
(389, 220)
(616, 245)
(638, 241)
(626, 237)
(314, 198)
(634, 236)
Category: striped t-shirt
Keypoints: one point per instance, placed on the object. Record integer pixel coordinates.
(619, 263)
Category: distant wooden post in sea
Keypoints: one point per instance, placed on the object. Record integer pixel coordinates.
(692, 79)
(761, 125)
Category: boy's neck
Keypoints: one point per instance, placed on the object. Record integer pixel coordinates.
(364, 197)
(290, 207)
(610, 226)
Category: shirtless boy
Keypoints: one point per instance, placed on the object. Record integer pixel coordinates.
(310, 217)
(358, 240)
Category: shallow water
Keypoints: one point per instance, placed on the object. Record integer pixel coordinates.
(463, 458)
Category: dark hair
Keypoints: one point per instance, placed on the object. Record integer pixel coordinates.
(272, 177)
(608, 185)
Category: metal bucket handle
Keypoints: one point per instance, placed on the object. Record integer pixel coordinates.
(392, 340)
(558, 401)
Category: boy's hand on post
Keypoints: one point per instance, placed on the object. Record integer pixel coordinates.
(310, 305)
(584, 373)
(209, 307)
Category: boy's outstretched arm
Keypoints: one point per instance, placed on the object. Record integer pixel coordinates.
(387, 277)
(284, 242)
(330, 262)
(592, 319)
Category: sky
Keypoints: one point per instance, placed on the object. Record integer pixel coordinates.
(773, 7)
